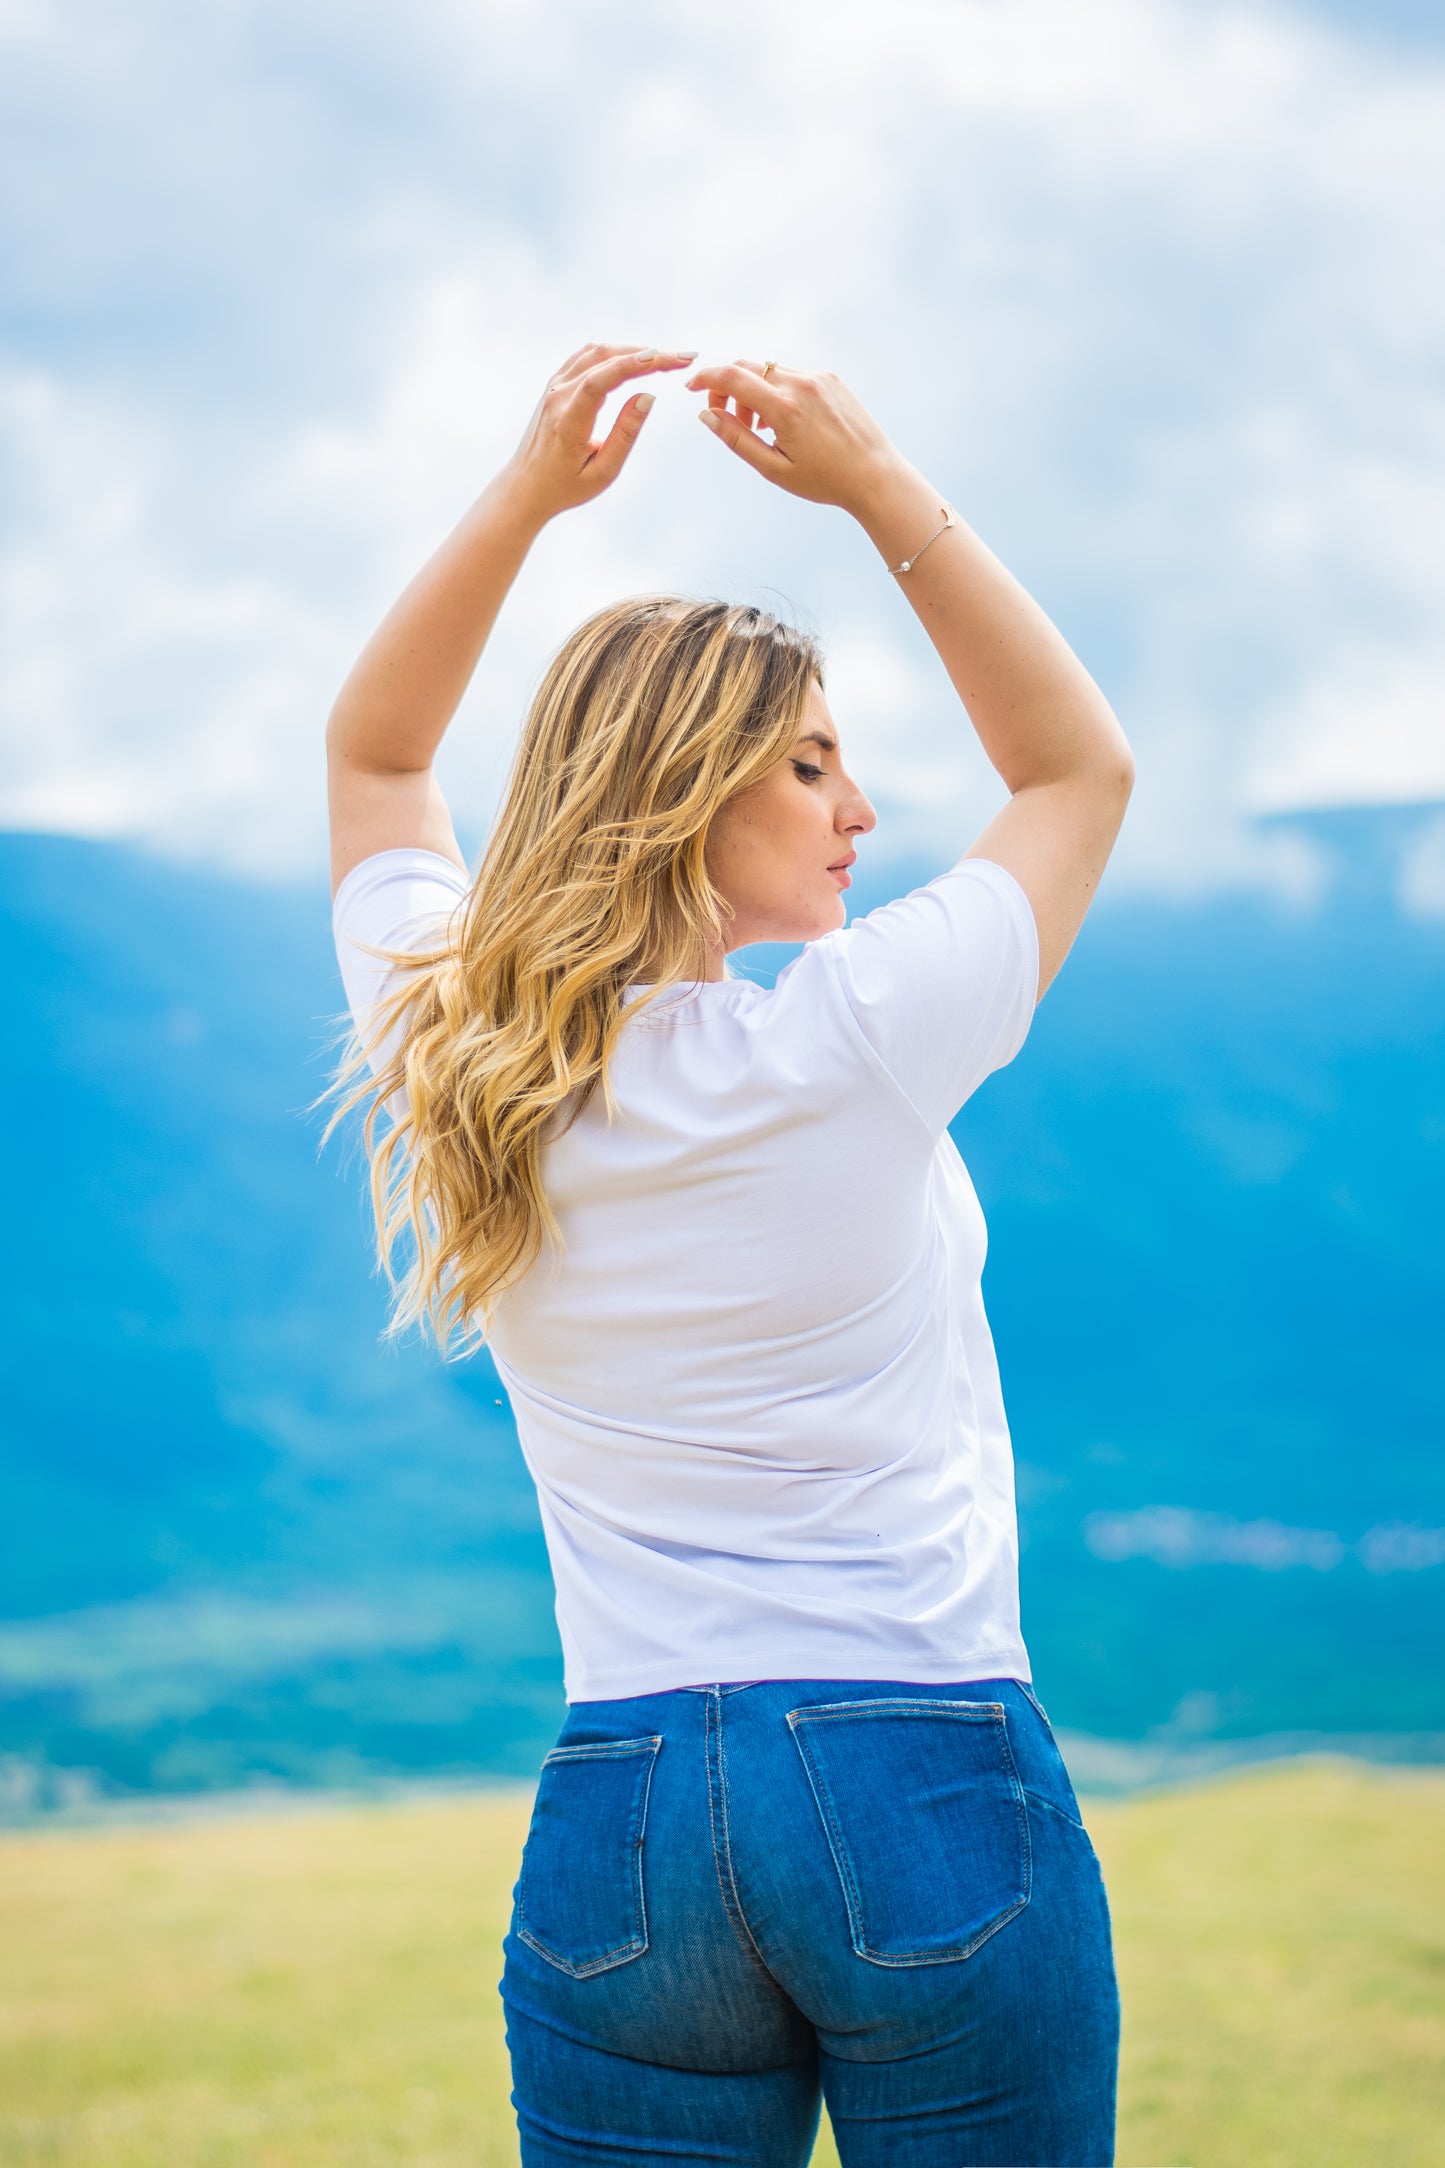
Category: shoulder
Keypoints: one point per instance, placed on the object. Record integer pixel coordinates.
(399, 900)
(401, 883)
(942, 982)
(975, 899)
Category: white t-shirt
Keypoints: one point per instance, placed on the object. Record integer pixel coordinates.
(759, 1398)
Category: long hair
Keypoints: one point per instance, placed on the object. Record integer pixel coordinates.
(651, 715)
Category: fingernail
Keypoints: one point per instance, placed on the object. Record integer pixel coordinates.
(645, 403)
(707, 415)
(687, 353)
(650, 355)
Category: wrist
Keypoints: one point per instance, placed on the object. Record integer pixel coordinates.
(513, 496)
(899, 511)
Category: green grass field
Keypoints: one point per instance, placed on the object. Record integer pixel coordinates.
(317, 1989)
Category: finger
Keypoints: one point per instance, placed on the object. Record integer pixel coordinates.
(762, 457)
(739, 383)
(582, 358)
(604, 350)
(774, 372)
(605, 376)
(606, 462)
(612, 365)
(587, 357)
(774, 369)
(718, 402)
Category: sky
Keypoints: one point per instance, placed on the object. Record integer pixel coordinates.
(1153, 290)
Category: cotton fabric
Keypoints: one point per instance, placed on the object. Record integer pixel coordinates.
(757, 1390)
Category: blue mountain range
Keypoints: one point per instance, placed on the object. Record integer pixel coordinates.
(242, 1541)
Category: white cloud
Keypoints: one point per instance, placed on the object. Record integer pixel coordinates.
(1175, 1536)
(1368, 729)
(1422, 875)
(1397, 1547)
(1152, 290)
(142, 696)
(1178, 1536)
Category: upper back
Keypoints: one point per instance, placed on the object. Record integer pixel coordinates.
(760, 1201)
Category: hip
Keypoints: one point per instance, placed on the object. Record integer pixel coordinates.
(882, 1863)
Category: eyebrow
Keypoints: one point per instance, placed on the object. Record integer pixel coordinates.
(818, 737)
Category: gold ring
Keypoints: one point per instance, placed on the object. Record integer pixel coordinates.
(766, 366)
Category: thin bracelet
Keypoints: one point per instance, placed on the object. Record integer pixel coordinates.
(950, 519)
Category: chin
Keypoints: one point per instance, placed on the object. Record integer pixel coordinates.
(831, 913)
(827, 920)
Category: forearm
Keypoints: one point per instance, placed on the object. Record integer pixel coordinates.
(1039, 715)
(392, 713)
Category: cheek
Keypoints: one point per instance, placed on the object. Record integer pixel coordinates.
(767, 850)
(766, 833)
(812, 832)
(793, 842)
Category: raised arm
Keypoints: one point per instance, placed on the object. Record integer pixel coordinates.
(1040, 718)
(392, 713)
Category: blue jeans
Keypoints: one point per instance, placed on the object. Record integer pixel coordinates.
(738, 1900)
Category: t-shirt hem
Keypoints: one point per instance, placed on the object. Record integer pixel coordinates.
(367, 869)
(633, 1681)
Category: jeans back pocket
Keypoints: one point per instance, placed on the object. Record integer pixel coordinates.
(580, 1900)
(925, 1818)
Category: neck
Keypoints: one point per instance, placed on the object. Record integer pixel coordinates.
(712, 968)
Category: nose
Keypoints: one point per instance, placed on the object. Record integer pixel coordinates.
(855, 816)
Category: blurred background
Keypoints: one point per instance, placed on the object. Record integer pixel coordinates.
(1154, 290)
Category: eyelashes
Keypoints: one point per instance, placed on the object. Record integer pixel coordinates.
(806, 772)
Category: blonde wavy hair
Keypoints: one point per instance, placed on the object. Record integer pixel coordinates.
(651, 715)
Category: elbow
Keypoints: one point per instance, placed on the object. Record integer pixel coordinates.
(1102, 772)
(335, 736)
(353, 749)
(1113, 761)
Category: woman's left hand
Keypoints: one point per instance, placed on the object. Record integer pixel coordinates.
(559, 463)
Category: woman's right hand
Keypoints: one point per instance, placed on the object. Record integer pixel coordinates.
(559, 462)
(826, 445)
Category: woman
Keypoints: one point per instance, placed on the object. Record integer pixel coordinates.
(806, 1830)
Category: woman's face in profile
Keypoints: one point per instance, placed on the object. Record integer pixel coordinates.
(779, 851)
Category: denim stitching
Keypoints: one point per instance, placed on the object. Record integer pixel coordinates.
(827, 1815)
(603, 1750)
(637, 1840)
(722, 1854)
(607, 1750)
(1031, 1697)
(991, 1711)
(1030, 1792)
(1037, 1799)
(722, 1764)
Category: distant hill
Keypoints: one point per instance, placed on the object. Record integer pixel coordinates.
(1215, 1181)
(236, 1536)
(237, 1539)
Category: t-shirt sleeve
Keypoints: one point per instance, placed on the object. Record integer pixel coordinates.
(943, 983)
(397, 899)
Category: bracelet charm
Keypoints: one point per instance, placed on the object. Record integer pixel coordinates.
(950, 519)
